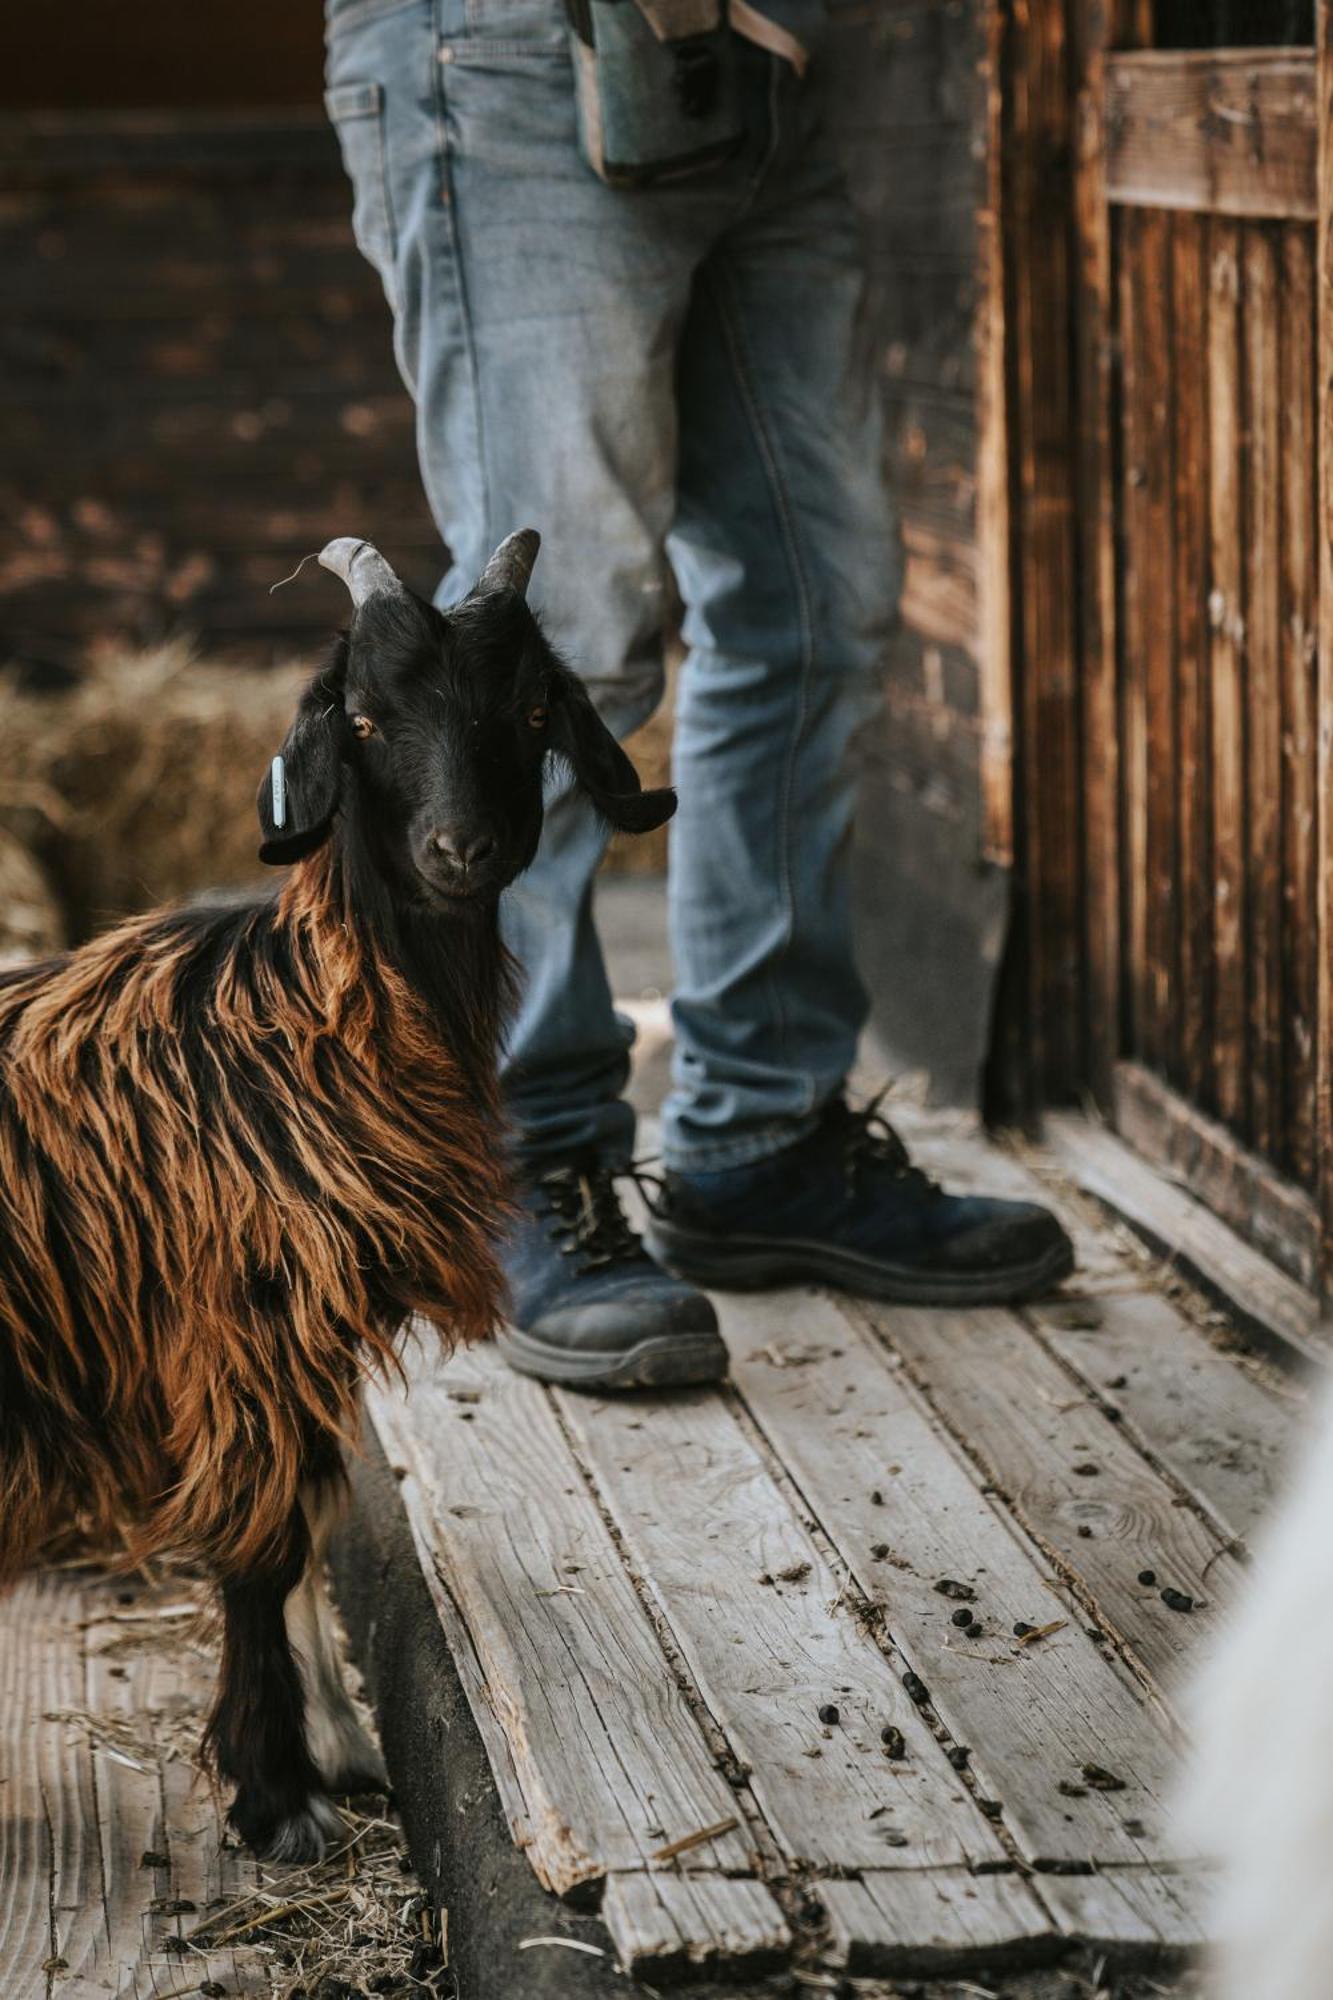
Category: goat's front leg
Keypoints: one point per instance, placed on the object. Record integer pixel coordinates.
(257, 1732)
(344, 1755)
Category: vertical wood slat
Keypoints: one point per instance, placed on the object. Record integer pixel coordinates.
(1137, 447)
(1043, 426)
(1226, 617)
(1263, 705)
(1299, 539)
(994, 528)
(1096, 26)
(1324, 515)
(1157, 573)
(1194, 899)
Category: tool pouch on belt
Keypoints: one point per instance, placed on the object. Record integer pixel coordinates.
(656, 85)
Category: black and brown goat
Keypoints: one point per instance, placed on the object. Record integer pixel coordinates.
(239, 1147)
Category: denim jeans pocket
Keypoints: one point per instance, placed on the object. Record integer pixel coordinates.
(357, 114)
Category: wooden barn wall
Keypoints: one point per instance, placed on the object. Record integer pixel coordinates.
(932, 913)
(199, 383)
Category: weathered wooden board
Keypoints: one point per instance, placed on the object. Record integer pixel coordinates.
(1299, 556)
(769, 1638)
(1244, 1191)
(1263, 688)
(1064, 1467)
(1226, 662)
(663, 1922)
(605, 1759)
(1128, 1906)
(1217, 1430)
(51, 1916)
(1225, 131)
(1187, 896)
(850, 1427)
(922, 1920)
(1263, 1298)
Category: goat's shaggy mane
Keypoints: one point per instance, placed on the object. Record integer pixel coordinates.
(238, 1148)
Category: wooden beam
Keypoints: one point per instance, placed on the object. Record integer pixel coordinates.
(995, 635)
(1324, 698)
(1095, 27)
(1244, 1190)
(1226, 132)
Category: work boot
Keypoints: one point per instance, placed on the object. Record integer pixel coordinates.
(845, 1207)
(588, 1306)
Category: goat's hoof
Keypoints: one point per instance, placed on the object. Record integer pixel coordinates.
(302, 1835)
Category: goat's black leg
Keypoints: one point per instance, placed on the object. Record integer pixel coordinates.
(257, 1732)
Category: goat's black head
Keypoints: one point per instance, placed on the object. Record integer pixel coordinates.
(429, 732)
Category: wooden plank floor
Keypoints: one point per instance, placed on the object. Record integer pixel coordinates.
(118, 1880)
(709, 1639)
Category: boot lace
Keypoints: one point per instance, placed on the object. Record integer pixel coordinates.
(872, 1146)
(586, 1220)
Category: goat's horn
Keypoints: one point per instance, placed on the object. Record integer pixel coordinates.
(511, 565)
(361, 567)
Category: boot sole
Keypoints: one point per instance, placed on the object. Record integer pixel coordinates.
(753, 1263)
(668, 1361)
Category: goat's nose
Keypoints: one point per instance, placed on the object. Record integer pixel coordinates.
(462, 850)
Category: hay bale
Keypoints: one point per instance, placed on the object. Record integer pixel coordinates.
(137, 786)
(32, 923)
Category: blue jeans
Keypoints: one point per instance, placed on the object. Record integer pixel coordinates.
(676, 376)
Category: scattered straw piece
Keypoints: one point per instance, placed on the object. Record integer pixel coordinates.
(566, 1944)
(1043, 1632)
(691, 1840)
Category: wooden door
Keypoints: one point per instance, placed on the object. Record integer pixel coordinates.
(1173, 762)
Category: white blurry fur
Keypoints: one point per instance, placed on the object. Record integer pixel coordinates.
(342, 1751)
(1260, 1795)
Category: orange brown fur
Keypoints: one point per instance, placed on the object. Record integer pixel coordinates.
(236, 1152)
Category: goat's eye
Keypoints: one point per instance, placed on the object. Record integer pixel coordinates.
(362, 726)
(538, 718)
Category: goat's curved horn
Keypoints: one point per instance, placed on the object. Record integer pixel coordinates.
(511, 565)
(361, 567)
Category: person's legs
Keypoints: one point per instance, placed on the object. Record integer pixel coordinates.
(788, 562)
(537, 315)
(536, 319)
(789, 568)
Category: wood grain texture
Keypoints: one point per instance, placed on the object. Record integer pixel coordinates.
(1141, 446)
(607, 1759)
(1224, 132)
(1095, 27)
(1224, 1436)
(747, 1596)
(1125, 1906)
(1243, 1190)
(1263, 689)
(849, 1426)
(1035, 1438)
(1265, 1300)
(1188, 897)
(101, 1704)
(1226, 666)
(1043, 427)
(1324, 671)
(921, 1921)
(1300, 715)
(995, 551)
(664, 1923)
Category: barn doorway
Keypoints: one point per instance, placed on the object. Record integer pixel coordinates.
(1172, 725)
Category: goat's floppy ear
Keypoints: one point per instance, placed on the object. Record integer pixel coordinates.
(299, 795)
(600, 765)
